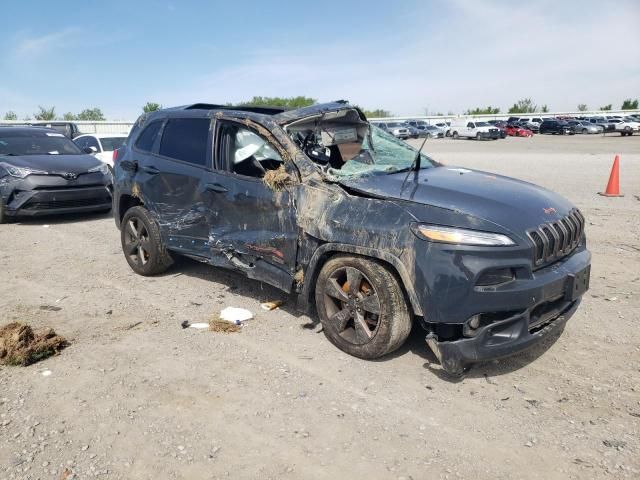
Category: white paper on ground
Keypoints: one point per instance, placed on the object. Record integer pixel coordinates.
(199, 325)
(233, 314)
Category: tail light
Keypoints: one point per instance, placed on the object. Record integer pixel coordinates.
(114, 156)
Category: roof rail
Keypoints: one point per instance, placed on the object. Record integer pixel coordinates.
(242, 108)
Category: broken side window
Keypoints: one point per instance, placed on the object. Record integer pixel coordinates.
(246, 153)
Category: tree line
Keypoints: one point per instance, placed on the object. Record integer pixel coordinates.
(524, 105)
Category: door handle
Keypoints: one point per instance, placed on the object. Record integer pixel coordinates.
(150, 169)
(216, 187)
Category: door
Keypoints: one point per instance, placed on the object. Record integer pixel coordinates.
(253, 227)
(470, 130)
(172, 180)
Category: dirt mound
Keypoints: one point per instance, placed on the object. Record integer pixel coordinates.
(277, 179)
(20, 345)
(219, 325)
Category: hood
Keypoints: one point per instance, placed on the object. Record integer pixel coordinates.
(54, 163)
(512, 204)
(317, 109)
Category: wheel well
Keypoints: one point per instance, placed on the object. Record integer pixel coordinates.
(325, 257)
(126, 202)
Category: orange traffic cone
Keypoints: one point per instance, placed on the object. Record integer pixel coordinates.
(613, 187)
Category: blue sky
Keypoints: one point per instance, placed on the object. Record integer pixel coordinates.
(403, 56)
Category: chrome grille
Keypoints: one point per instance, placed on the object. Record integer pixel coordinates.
(554, 240)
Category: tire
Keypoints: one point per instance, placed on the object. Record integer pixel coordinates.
(3, 217)
(584, 131)
(478, 136)
(454, 135)
(383, 322)
(141, 243)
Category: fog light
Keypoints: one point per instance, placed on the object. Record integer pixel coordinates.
(495, 277)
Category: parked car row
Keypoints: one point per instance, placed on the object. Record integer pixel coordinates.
(512, 127)
(413, 129)
(625, 125)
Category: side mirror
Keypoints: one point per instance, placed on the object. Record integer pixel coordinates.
(90, 150)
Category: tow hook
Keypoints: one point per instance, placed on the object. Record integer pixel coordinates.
(450, 364)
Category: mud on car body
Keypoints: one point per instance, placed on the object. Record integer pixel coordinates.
(355, 222)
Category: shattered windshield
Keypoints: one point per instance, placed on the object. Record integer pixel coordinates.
(344, 145)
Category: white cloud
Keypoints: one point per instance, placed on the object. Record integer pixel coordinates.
(35, 46)
(481, 53)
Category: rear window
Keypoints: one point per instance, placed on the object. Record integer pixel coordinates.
(112, 143)
(148, 136)
(186, 139)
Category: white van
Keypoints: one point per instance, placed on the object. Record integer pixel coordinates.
(473, 129)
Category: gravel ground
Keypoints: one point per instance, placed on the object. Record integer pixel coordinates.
(136, 396)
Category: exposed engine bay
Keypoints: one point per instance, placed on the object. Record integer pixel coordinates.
(343, 144)
(333, 138)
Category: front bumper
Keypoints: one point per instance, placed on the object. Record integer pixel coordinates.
(525, 313)
(500, 339)
(52, 195)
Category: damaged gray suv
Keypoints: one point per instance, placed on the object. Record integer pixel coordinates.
(372, 233)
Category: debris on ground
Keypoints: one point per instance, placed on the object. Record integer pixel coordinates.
(272, 305)
(234, 315)
(230, 320)
(20, 345)
(277, 179)
(50, 308)
(199, 325)
(617, 444)
(224, 326)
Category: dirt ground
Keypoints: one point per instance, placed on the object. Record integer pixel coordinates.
(135, 396)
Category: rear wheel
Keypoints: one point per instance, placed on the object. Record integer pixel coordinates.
(362, 307)
(142, 244)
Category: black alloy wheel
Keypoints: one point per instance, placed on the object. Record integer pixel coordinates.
(362, 306)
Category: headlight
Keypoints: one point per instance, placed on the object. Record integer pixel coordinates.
(102, 168)
(21, 172)
(437, 233)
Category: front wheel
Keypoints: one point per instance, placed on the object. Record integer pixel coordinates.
(455, 135)
(142, 244)
(3, 215)
(362, 307)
